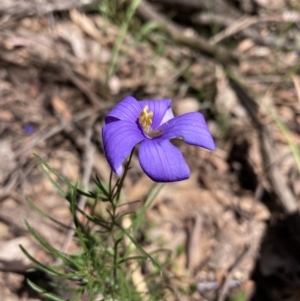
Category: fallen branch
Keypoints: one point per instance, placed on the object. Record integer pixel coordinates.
(241, 26)
(179, 35)
(215, 7)
(276, 179)
(248, 252)
(20, 9)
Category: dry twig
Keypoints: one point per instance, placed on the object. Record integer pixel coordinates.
(226, 284)
(194, 248)
(21, 9)
(216, 7)
(179, 35)
(279, 185)
(242, 25)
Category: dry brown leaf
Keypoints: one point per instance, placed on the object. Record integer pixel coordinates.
(296, 81)
(245, 45)
(61, 108)
(34, 90)
(85, 23)
(6, 115)
(74, 36)
(4, 231)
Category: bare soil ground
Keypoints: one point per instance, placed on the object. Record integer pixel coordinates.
(234, 226)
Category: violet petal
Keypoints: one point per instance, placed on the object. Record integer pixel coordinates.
(162, 161)
(128, 109)
(119, 138)
(190, 127)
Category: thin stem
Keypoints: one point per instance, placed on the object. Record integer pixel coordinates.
(115, 193)
(115, 268)
(120, 185)
(114, 201)
(110, 181)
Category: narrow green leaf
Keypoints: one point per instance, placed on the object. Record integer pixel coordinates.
(136, 244)
(287, 135)
(101, 186)
(123, 214)
(42, 213)
(75, 298)
(147, 28)
(73, 202)
(46, 246)
(43, 243)
(141, 212)
(95, 220)
(129, 203)
(132, 258)
(46, 167)
(119, 40)
(46, 269)
(240, 296)
(42, 291)
(55, 185)
(81, 239)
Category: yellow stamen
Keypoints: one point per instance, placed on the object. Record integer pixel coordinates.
(145, 119)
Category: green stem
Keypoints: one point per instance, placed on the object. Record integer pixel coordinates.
(115, 268)
(114, 202)
(110, 182)
(120, 185)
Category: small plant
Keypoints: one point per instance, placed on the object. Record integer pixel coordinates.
(108, 265)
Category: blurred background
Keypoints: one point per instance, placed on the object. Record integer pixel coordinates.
(233, 228)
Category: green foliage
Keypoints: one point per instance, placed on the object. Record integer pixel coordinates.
(102, 268)
(287, 135)
(240, 296)
(123, 30)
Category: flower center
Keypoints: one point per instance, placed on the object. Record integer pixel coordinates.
(145, 119)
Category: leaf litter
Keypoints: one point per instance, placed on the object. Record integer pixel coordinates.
(226, 228)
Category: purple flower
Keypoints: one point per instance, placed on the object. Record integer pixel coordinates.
(29, 129)
(151, 124)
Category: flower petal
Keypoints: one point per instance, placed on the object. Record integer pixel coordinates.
(128, 109)
(191, 127)
(160, 109)
(162, 161)
(119, 138)
(169, 115)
